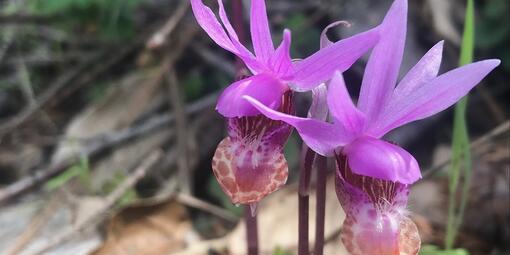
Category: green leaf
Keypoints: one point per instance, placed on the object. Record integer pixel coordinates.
(81, 170)
(461, 154)
(433, 250)
(280, 251)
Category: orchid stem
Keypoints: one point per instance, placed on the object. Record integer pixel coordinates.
(251, 231)
(252, 239)
(307, 157)
(322, 172)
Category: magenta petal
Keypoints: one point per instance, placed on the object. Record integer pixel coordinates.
(208, 21)
(383, 66)
(433, 97)
(322, 137)
(319, 107)
(265, 88)
(376, 220)
(280, 61)
(320, 67)
(424, 71)
(260, 33)
(372, 157)
(341, 106)
(325, 42)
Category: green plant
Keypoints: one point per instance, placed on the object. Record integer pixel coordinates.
(434, 250)
(461, 155)
(80, 169)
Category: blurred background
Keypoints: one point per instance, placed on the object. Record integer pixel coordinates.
(107, 127)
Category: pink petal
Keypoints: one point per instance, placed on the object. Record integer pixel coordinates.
(280, 61)
(320, 67)
(325, 42)
(260, 33)
(320, 136)
(424, 71)
(263, 87)
(376, 220)
(341, 106)
(368, 156)
(208, 21)
(247, 171)
(319, 107)
(383, 66)
(433, 97)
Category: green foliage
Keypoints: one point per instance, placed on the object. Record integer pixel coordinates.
(127, 198)
(112, 19)
(292, 150)
(461, 155)
(491, 34)
(81, 170)
(308, 40)
(193, 85)
(281, 251)
(98, 91)
(433, 250)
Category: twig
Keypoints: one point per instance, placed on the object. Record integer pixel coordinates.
(45, 97)
(502, 128)
(214, 59)
(109, 202)
(206, 207)
(99, 144)
(37, 222)
(182, 135)
(95, 146)
(159, 38)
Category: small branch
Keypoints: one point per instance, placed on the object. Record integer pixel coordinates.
(110, 201)
(99, 144)
(182, 134)
(214, 59)
(206, 207)
(37, 222)
(59, 83)
(501, 129)
(160, 37)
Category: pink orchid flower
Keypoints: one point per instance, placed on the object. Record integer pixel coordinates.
(373, 175)
(249, 163)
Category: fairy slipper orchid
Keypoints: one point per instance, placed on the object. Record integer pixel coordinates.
(249, 163)
(373, 175)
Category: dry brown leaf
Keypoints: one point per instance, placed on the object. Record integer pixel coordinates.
(149, 230)
(277, 219)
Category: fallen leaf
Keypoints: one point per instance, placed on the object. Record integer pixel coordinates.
(147, 229)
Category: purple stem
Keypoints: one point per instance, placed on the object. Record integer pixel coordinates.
(322, 172)
(307, 157)
(252, 239)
